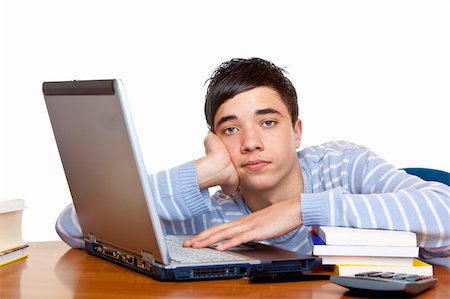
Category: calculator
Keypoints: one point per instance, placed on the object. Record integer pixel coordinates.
(390, 282)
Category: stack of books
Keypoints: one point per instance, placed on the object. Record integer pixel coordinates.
(12, 246)
(355, 250)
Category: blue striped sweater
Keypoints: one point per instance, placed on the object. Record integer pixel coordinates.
(344, 185)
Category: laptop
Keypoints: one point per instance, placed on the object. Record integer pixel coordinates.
(105, 171)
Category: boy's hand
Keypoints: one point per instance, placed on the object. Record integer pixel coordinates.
(273, 221)
(216, 168)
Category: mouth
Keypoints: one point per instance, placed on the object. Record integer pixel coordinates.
(255, 165)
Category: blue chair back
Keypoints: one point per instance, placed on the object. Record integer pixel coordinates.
(429, 174)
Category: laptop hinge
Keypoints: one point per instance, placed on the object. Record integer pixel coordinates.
(148, 257)
(92, 238)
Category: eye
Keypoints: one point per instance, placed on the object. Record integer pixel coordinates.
(230, 130)
(268, 123)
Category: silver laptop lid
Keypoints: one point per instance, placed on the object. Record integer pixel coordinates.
(103, 164)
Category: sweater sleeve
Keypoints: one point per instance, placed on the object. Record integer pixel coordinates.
(68, 227)
(366, 192)
(177, 194)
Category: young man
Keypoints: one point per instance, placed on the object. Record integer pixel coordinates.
(271, 192)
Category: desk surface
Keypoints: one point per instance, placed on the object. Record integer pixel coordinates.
(53, 270)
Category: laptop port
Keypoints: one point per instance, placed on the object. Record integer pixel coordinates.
(128, 259)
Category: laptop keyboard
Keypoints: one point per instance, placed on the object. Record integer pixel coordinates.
(201, 255)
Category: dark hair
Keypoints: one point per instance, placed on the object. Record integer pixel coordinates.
(239, 75)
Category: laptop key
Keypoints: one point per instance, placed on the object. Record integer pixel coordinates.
(191, 255)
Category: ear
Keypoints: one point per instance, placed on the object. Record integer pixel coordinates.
(298, 133)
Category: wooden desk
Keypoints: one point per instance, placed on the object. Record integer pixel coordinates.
(53, 270)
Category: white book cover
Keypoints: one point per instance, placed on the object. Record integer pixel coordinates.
(334, 235)
(367, 260)
(11, 205)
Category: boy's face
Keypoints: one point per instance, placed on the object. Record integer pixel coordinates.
(257, 130)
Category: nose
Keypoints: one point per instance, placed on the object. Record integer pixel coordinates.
(251, 140)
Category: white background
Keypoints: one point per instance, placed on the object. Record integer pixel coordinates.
(373, 72)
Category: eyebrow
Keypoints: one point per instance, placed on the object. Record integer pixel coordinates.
(257, 112)
(224, 119)
(267, 111)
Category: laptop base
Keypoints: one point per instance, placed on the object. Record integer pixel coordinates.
(186, 273)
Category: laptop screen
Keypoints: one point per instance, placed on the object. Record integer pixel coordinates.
(103, 164)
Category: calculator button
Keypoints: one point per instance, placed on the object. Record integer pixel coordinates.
(400, 276)
(387, 275)
(411, 278)
(366, 273)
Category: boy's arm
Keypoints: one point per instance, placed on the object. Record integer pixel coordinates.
(273, 221)
(182, 192)
(68, 227)
(372, 193)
